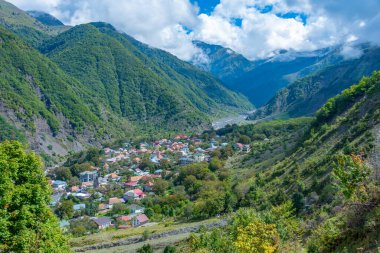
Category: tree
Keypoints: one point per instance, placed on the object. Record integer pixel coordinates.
(170, 249)
(215, 164)
(257, 237)
(351, 172)
(65, 210)
(147, 248)
(63, 173)
(27, 224)
(160, 186)
(120, 208)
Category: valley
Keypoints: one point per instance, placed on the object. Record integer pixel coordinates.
(118, 138)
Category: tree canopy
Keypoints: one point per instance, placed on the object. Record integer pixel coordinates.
(27, 224)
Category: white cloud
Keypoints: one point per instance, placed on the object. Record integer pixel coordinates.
(161, 23)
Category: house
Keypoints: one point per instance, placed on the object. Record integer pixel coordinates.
(59, 185)
(181, 137)
(82, 195)
(134, 194)
(239, 146)
(78, 207)
(185, 160)
(114, 177)
(136, 209)
(74, 189)
(64, 225)
(86, 185)
(113, 201)
(125, 218)
(246, 149)
(103, 222)
(148, 187)
(102, 208)
(199, 157)
(140, 220)
(130, 185)
(88, 176)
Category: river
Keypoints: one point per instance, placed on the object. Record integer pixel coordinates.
(232, 119)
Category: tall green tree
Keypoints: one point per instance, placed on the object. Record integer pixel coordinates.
(27, 224)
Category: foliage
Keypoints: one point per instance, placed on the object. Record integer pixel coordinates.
(257, 237)
(170, 249)
(27, 223)
(351, 172)
(146, 248)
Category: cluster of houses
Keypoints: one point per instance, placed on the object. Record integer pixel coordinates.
(180, 150)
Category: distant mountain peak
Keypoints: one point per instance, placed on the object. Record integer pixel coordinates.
(45, 18)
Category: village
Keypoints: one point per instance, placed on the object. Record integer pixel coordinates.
(111, 195)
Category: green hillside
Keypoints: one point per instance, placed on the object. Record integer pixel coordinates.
(306, 95)
(51, 107)
(27, 27)
(329, 177)
(134, 85)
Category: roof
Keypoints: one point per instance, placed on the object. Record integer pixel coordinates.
(112, 201)
(114, 175)
(79, 206)
(138, 191)
(135, 207)
(102, 221)
(59, 182)
(131, 183)
(142, 218)
(135, 178)
(124, 218)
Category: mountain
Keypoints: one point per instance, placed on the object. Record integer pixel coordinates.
(304, 96)
(319, 190)
(260, 80)
(224, 63)
(98, 85)
(45, 18)
(46, 105)
(25, 26)
(140, 83)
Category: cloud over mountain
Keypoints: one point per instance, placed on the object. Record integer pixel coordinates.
(254, 28)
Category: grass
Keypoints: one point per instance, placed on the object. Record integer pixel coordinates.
(114, 235)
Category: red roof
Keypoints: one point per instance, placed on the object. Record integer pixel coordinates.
(131, 184)
(124, 218)
(142, 218)
(138, 192)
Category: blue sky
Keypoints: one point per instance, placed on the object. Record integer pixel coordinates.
(206, 6)
(255, 28)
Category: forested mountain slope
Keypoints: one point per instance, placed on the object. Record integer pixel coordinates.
(304, 96)
(323, 196)
(51, 108)
(136, 86)
(24, 25)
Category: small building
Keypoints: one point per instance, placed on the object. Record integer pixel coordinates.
(124, 218)
(78, 207)
(185, 160)
(199, 157)
(87, 185)
(88, 176)
(246, 149)
(239, 146)
(114, 177)
(113, 201)
(148, 186)
(140, 220)
(59, 185)
(135, 194)
(103, 222)
(136, 209)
